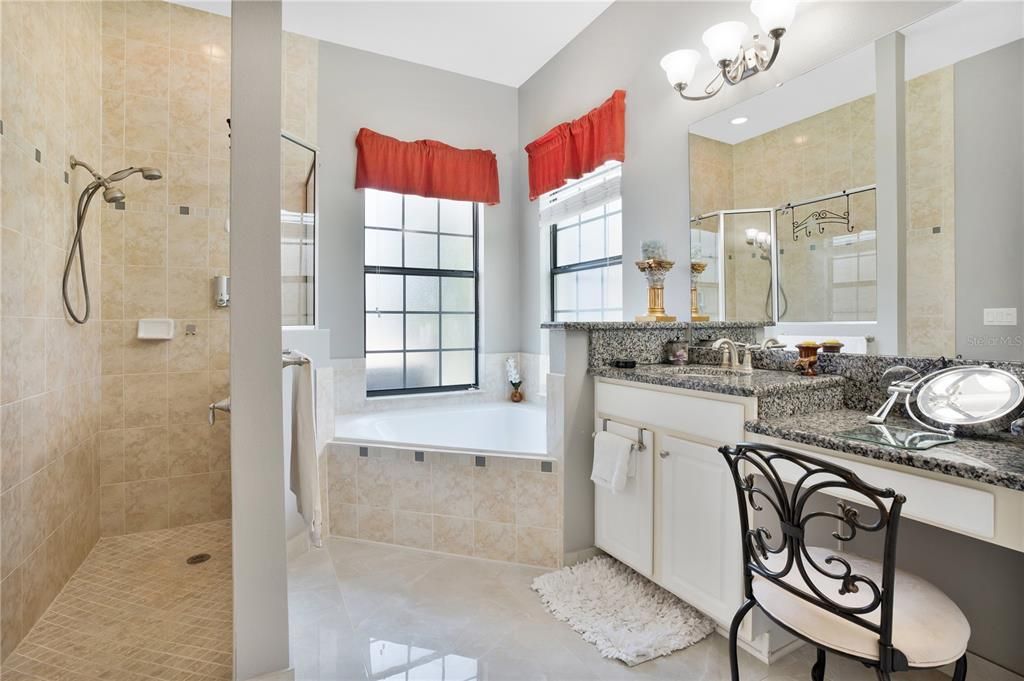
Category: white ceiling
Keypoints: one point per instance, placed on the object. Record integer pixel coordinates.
(502, 42)
(961, 31)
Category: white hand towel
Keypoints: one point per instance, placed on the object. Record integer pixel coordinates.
(611, 461)
(305, 474)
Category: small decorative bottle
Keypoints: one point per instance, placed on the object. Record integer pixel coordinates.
(512, 371)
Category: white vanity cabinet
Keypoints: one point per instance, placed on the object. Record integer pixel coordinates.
(698, 555)
(677, 522)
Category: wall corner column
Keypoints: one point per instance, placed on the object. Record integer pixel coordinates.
(890, 178)
(257, 473)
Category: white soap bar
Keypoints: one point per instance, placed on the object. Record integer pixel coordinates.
(156, 329)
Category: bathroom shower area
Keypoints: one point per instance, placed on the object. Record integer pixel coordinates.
(115, 533)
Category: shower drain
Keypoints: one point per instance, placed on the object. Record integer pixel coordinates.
(198, 558)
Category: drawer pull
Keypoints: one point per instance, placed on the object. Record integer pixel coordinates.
(664, 453)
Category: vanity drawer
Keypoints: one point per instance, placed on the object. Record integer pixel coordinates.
(709, 419)
(956, 507)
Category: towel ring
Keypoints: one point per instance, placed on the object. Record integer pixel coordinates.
(638, 444)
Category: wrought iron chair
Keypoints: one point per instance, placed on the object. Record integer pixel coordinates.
(838, 602)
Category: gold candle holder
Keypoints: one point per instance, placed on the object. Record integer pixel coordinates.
(655, 270)
(696, 269)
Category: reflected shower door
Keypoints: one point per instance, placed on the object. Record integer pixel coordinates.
(747, 251)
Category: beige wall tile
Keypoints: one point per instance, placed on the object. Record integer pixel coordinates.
(145, 453)
(190, 500)
(111, 456)
(142, 356)
(189, 449)
(11, 622)
(145, 398)
(112, 292)
(376, 524)
(189, 352)
(188, 397)
(412, 488)
(535, 546)
(453, 535)
(10, 445)
(146, 125)
(145, 292)
(494, 494)
(112, 402)
(189, 292)
(341, 472)
(148, 21)
(145, 239)
(146, 69)
(373, 482)
(537, 499)
(187, 241)
(112, 509)
(11, 530)
(188, 180)
(220, 495)
(414, 529)
(220, 447)
(343, 519)
(452, 490)
(145, 505)
(496, 541)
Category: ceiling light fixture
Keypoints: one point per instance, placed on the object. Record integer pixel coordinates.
(724, 43)
(739, 120)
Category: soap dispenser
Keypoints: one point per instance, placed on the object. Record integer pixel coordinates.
(678, 351)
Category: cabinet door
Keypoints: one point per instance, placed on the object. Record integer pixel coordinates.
(624, 522)
(698, 540)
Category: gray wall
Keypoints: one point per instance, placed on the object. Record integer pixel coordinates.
(409, 101)
(621, 49)
(989, 134)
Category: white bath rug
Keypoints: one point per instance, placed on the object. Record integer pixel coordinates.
(626, 616)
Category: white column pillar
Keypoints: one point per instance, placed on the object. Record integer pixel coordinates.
(257, 472)
(890, 177)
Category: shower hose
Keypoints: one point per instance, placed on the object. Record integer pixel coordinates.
(76, 244)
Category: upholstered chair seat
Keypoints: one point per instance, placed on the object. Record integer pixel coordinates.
(928, 627)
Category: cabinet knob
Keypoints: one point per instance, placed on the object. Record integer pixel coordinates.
(664, 453)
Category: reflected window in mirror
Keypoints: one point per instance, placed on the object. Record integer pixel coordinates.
(298, 232)
(583, 222)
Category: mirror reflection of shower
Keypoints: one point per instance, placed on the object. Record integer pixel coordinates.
(111, 194)
(763, 241)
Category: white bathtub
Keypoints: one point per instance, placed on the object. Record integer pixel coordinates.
(495, 429)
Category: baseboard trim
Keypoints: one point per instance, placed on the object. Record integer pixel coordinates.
(284, 675)
(298, 545)
(574, 557)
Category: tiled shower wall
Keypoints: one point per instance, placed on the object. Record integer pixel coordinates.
(166, 101)
(490, 507)
(49, 367)
(166, 97)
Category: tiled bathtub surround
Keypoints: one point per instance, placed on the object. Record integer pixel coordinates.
(490, 507)
(50, 106)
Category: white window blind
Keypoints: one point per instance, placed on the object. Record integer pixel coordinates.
(581, 196)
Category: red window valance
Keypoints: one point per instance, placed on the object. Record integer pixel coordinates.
(425, 167)
(570, 150)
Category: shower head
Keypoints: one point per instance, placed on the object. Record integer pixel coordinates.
(113, 195)
(147, 174)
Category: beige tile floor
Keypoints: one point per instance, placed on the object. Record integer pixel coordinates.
(135, 611)
(370, 611)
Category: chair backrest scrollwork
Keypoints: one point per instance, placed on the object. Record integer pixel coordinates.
(785, 489)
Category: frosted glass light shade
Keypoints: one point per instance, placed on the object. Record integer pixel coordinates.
(774, 14)
(724, 40)
(680, 66)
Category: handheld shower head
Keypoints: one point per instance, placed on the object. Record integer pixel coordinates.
(147, 173)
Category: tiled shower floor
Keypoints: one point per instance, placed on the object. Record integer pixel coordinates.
(135, 611)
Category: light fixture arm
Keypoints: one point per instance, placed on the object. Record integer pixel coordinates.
(747, 63)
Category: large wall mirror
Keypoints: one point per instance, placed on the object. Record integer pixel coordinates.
(785, 189)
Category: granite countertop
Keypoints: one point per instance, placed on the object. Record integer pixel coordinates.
(643, 326)
(996, 460)
(760, 383)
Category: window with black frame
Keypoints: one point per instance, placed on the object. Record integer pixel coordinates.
(585, 223)
(420, 283)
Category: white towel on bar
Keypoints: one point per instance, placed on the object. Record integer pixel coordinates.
(305, 474)
(611, 461)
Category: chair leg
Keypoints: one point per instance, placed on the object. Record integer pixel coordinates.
(960, 671)
(882, 675)
(734, 630)
(818, 670)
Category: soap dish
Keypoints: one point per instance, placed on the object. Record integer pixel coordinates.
(155, 329)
